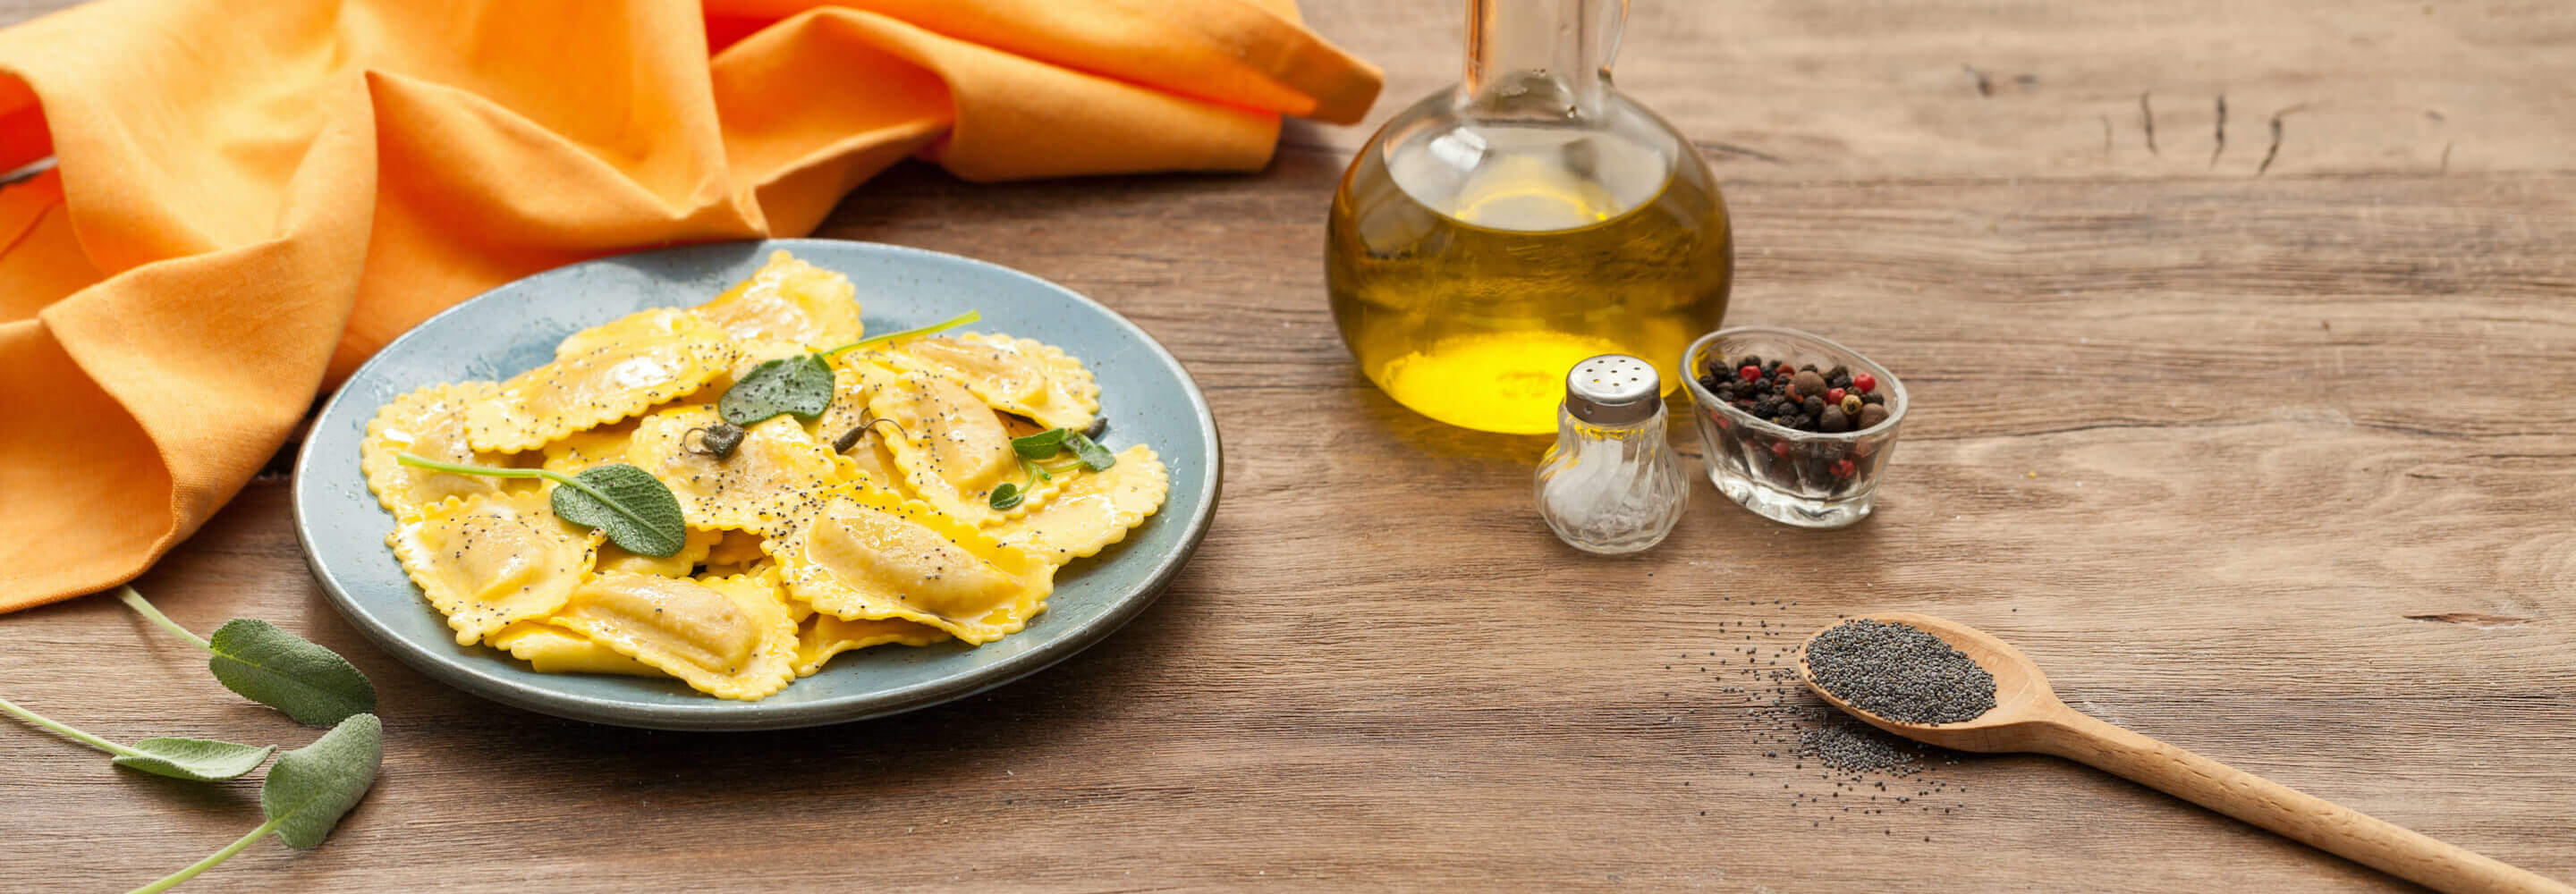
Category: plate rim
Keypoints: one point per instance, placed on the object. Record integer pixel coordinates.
(722, 715)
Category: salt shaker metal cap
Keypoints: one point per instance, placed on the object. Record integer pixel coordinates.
(1613, 389)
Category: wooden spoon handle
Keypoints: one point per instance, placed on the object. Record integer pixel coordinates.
(2316, 821)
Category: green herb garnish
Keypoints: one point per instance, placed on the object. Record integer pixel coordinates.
(1091, 453)
(636, 509)
(801, 386)
(1041, 445)
(195, 760)
(270, 666)
(306, 793)
(1006, 496)
(1048, 443)
(932, 329)
(718, 440)
(849, 439)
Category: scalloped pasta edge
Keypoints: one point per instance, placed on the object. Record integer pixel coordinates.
(412, 563)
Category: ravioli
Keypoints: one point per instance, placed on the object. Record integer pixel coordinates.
(429, 421)
(693, 551)
(553, 650)
(769, 482)
(492, 560)
(754, 353)
(584, 449)
(870, 555)
(1093, 510)
(728, 637)
(623, 368)
(789, 300)
(953, 450)
(1015, 375)
(737, 548)
(824, 636)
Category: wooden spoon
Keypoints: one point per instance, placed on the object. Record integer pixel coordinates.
(2029, 717)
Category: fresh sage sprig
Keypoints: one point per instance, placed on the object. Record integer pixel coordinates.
(195, 760)
(270, 666)
(801, 386)
(636, 509)
(1047, 445)
(306, 793)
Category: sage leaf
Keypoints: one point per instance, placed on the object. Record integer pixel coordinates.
(1041, 445)
(195, 760)
(1090, 452)
(635, 508)
(311, 787)
(306, 793)
(1006, 496)
(313, 685)
(799, 386)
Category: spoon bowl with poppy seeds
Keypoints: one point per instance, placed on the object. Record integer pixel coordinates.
(1948, 684)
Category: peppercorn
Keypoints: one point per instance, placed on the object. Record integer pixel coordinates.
(1834, 421)
(1813, 406)
(1873, 398)
(1851, 405)
(1809, 383)
(1865, 382)
(1872, 414)
(1834, 395)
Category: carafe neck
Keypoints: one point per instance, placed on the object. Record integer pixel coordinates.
(1540, 59)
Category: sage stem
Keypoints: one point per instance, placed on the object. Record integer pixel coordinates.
(934, 328)
(66, 731)
(180, 877)
(155, 616)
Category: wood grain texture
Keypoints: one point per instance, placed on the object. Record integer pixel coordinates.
(2276, 464)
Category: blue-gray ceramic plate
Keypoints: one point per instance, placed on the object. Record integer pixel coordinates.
(1146, 395)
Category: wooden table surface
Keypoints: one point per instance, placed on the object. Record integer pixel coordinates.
(2264, 446)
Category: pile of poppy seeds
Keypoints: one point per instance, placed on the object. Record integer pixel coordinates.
(1866, 780)
(1899, 672)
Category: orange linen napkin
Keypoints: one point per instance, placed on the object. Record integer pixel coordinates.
(252, 197)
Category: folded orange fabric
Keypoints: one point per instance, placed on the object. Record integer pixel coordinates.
(252, 197)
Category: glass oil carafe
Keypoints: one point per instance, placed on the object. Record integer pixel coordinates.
(1496, 233)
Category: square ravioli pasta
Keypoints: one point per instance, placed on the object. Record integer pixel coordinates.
(908, 512)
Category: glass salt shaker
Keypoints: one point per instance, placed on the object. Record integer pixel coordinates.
(1611, 484)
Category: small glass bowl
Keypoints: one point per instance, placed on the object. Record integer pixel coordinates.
(1807, 479)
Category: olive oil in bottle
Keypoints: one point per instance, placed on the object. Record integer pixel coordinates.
(1491, 237)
